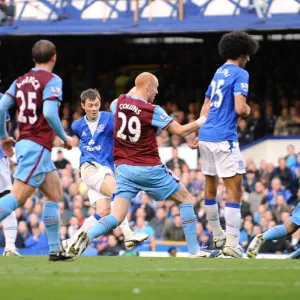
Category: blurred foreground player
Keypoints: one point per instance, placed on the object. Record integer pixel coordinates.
(95, 132)
(276, 233)
(139, 166)
(37, 95)
(10, 223)
(225, 101)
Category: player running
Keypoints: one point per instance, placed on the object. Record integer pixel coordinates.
(138, 164)
(10, 223)
(225, 101)
(276, 233)
(37, 95)
(95, 132)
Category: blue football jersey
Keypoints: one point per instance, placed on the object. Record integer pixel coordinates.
(221, 125)
(96, 139)
(7, 119)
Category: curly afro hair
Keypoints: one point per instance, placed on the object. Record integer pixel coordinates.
(235, 44)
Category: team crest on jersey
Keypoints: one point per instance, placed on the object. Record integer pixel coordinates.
(91, 142)
(83, 133)
(100, 128)
(164, 116)
(56, 91)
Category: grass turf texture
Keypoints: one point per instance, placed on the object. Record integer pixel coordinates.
(148, 278)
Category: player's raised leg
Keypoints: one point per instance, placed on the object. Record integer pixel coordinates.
(188, 223)
(275, 233)
(233, 216)
(51, 214)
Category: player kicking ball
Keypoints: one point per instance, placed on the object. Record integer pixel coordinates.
(225, 101)
(95, 132)
(138, 164)
(276, 233)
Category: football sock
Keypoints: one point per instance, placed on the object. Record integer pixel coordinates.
(233, 223)
(188, 223)
(104, 225)
(212, 214)
(295, 254)
(8, 204)
(10, 227)
(126, 229)
(275, 233)
(52, 225)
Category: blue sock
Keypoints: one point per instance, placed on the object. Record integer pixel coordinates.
(275, 233)
(295, 254)
(8, 204)
(188, 223)
(103, 226)
(52, 224)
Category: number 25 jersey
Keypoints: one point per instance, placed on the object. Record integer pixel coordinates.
(221, 125)
(30, 91)
(136, 124)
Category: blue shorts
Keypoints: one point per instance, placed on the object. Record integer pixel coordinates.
(34, 162)
(157, 181)
(295, 217)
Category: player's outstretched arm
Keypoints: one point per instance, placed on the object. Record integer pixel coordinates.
(50, 112)
(205, 107)
(5, 104)
(184, 130)
(241, 107)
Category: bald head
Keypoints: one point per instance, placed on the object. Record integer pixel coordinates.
(146, 85)
(43, 51)
(144, 79)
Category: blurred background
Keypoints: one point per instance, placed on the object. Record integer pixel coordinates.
(104, 44)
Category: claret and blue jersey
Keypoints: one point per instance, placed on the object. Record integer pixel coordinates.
(96, 139)
(221, 125)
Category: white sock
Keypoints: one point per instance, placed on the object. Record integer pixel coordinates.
(233, 223)
(126, 229)
(212, 214)
(124, 226)
(87, 225)
(10, 228)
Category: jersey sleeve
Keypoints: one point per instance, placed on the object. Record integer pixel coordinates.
(7, 117)
(241, 85)
(208, 92)
(160, 118)
(11, 92)
(53, 89)
(74, 128)
(113, 106)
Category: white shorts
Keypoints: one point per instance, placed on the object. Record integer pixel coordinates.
(93, 176)
(223, 159)
(5, 177)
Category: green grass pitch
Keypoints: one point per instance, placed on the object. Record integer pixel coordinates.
(148, 278)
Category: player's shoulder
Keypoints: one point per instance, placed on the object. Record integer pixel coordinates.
(78, 123)
(107, 114)
(238, 71)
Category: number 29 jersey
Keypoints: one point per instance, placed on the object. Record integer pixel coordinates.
(221, 125)
(136, 124)
(29, 91)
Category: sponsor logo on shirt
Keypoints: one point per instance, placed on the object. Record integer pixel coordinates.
(92, 149)
(164, 116)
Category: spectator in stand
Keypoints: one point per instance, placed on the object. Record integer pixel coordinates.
(296, 169)
(249, 181)
(244, 134)
(142, 227)
(291, 158)
(37, 240)
(257, 125)
(158, 223)
(176, 162)
(284, 174)
(275, 189)
(294, 123)
(246, 234)
(112, 248)
(61, 162)
(146, 205)
(256, 197)
(270, 120)
(279, 208)
(281, 125)
(173, 230)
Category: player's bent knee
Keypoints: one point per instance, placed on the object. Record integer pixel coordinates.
(290, 227)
